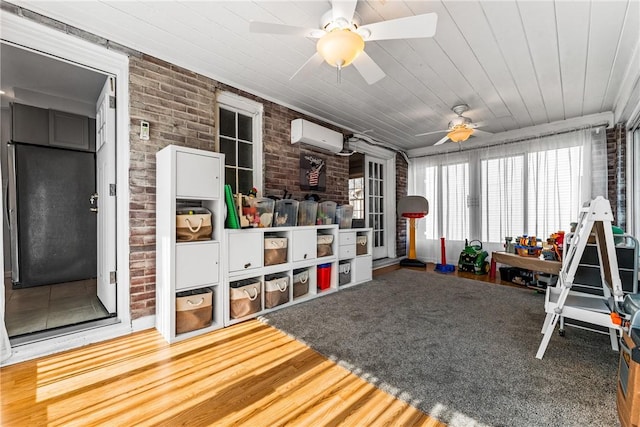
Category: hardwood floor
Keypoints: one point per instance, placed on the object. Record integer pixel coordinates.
(248, 374)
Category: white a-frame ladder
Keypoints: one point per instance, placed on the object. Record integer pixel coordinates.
(561, 302)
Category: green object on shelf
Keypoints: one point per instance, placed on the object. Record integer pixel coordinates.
(232, 214)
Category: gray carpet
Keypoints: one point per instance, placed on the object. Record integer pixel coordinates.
(461, 350)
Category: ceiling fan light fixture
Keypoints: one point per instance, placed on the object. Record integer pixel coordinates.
(460, 133)
(340, 47)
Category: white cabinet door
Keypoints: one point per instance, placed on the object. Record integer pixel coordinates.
(245, 251)
(363, 269)
(197, 264)
(304, 245)
(197, 176)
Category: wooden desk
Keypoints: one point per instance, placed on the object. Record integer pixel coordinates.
(528, 263)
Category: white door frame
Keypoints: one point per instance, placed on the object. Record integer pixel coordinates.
(23, 32)
(389, 159)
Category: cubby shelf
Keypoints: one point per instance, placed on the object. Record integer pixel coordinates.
(356, 255)
(188, 177)
(245, 259)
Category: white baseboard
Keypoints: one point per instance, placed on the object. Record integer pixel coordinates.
(142, 323)
(49, 346)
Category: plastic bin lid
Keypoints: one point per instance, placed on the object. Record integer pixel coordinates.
(327, 265)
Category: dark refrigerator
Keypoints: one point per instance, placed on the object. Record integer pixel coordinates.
(53, 231)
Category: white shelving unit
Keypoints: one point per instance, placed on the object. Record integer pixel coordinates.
(187, 177)
(244, 261)
(360, 266)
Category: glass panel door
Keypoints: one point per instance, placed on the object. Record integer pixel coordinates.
(374, 177)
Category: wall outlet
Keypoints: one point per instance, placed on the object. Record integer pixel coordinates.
(144, 130)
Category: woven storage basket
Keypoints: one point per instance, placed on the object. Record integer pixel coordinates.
(276, 291)
(193, 310)
(361, 245)
(244, 298)
(324, 245)
(275, 250)
(300, 283)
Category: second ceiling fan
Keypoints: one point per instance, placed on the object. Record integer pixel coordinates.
(460, 128)
(341, 38)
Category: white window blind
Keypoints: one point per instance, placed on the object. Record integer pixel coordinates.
(502, 187)
(429, 224)
(533, 187)
(455, 192)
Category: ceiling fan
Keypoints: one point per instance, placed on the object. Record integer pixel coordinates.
(460, 128)
(341, 38)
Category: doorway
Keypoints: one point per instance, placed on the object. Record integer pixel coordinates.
(54, 288)
(372, 194)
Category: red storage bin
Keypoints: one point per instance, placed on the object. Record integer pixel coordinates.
(324, 276)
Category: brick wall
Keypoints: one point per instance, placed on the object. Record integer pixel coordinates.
(616, 173)
(402, 172)
(281, 161)
(179, 106)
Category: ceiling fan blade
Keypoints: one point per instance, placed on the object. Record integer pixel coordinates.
(442, 141)
(411, 27)
(307, 67)
(431, 133)
(478, 132)
(343, 9)
(369, 70)
(273, 28)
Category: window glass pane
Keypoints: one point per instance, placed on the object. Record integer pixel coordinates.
(455, 190)
(502, 192)
(227, 123)
(245, 155)
(553, 190)
(245, 128)
(356, 197)
(230, 178)
(228, 147)
(245, 180)
(430, 193)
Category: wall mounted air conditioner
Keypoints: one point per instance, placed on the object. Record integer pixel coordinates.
(315, 135)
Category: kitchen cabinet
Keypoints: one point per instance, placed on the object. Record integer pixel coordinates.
(40, 126)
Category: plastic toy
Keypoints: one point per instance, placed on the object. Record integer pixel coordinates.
(473, 259)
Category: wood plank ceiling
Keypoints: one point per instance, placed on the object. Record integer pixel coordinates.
(515, 63)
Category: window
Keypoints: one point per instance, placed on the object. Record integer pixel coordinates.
(553, 193)
(430, 221)
(502, 195)
(240, 139)
(455, 192)
(356, 197)
(534, 187)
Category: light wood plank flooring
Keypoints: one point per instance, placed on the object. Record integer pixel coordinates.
(248, 374)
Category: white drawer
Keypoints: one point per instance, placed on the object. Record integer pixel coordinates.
(245, 251)
(197, 176)
(348, 238)
(345, 251)
(197, 264)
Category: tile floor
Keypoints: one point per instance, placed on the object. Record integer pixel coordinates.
(45, 307)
